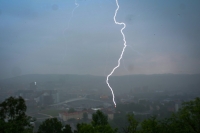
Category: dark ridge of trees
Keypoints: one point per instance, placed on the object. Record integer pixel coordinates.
(14, 120)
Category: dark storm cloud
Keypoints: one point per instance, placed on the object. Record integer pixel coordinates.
(44, 37)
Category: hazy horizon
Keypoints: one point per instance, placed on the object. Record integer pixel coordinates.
(164, 74)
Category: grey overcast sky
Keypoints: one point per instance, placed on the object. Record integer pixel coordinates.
(42, 37)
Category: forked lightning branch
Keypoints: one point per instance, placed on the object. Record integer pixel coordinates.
(118, 64)
(121, 55)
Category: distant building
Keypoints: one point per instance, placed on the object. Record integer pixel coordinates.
(25, 94)
(66, 116)
(110, 114)
(141, 113)
(46, 99)
(79, 115)
(56, 96)
(30, 103)
(177, 106)
(104, 97)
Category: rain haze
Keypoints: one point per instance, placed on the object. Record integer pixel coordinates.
(43, 37)
(62, 63)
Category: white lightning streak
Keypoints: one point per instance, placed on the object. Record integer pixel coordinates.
(72, 14)
(124, 26)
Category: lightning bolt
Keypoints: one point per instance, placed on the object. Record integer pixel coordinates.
(124, 39)
(72, 14)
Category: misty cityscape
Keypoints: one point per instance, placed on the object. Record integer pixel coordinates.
(113, 66)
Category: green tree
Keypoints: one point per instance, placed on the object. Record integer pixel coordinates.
(50, 126)
(99, 124)
(150, 125)
(13, 118)
(88, 128)
(133, 124)
(85, 128)
(188, 117)
(99, 118)
(186, 120)
(120, 121)
(67, 129)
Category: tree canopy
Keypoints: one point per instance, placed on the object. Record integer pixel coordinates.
(13, 118)
(50, 125)
(186, 120)
(99, 124)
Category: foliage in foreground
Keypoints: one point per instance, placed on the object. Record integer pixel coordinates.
(14, 120)
(99, 124)
(187, 120)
